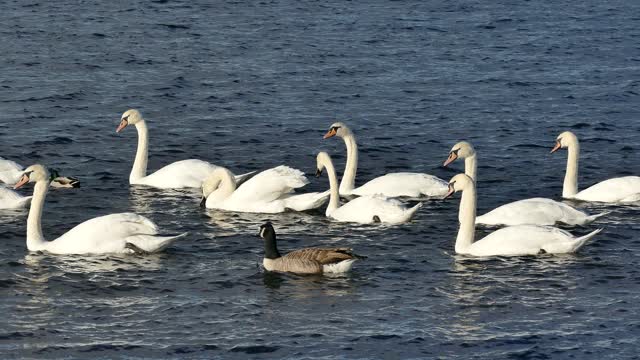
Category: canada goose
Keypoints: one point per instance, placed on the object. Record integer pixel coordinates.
(304, 261)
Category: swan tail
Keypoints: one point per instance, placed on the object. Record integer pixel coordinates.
(592, 218)
(579, 242)
(412, 211)
(308, 201)
(24, 202)
(152, 244)
(244, 177)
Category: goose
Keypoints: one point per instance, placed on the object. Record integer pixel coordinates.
(10, 199)
(508, 241)
(11, 171)
(364, 209)
(270, 191)
(305, 261)
(615, 190)
(123, 233)
(180, 174)
(402, 184)
(534, 211)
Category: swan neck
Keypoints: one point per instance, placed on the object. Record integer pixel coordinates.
(349, 177)
(467, 218)
(35, 239)
(570, 186)
(334, 197)
(225, 185)
(471, 166)
(139, 169)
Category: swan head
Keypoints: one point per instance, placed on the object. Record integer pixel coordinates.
(321, 160)
(461, 150)
(565, 140)
(337, 129)
(33, 173)
(459, 182)
(129, 117)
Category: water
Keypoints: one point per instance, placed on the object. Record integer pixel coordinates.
(251, 85)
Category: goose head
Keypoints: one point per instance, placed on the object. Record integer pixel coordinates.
(337, 129)
(267, 230)
(461, 150)
(459, 182)
(129, 117)
(33, 173)
(321, 160)
(565, 140)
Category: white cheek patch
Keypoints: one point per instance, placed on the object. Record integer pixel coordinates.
(262, 232)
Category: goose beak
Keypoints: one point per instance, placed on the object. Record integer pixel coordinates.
(203, 202)
(23, 180)
(123, 124)
(555, 148)
(452, 157)
(330, 133)
(318, 172)
(450, 193)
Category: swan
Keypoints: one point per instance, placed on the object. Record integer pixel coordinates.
(11, 171)
(307, 260)
(402, 184)
(508, 241)
(534, 211)
(269, 191)
(620, 189)
(180, 174)
(364, 209)
(10, 199)
(115, 233)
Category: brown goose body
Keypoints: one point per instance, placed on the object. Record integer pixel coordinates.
(305, 261)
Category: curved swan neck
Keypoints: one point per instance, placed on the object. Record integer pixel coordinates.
(225, 184)
(334, 197)
(349, 177)
(570, 186)
(35, 239)
(467, 218)
(471, 166)
(139, 169)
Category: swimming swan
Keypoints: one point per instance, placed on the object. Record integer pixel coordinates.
(512, 240)
(115, 233)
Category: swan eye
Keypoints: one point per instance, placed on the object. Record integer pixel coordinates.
(125, 118)
(335, 128)
(455, 152)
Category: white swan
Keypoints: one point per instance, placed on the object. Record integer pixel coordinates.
(11, 171)
(512, 240)
(364, 209)
(10, 199)
(270, 191)
(534, 211)
(621, 189)
(115, 233)
(403, 184)
(180, 174)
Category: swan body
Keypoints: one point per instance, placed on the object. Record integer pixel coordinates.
(403, 184)
(304, 261)
(533, 211)
(11, 171)
(270, 191)
(10, 199)
(364, 209)
(116, 233)
(181, 174)
(615, 190)
(509, 241)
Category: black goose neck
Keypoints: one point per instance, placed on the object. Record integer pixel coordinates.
(270, 247)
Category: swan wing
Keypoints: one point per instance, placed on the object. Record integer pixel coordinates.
(180, 174)
(10, 199)
(303, 202)
(521, 240)
(269, 185)
(534, 211)
(619, 189)
(10, 171)
(366, 209)
(404, 184)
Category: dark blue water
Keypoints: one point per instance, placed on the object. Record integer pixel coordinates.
(251, 85)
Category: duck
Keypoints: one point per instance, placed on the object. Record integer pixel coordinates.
(270, 191)
(123, 233)
(10, 199)
(409, 185)
(614, 190)
(515, 240)
(180, 174)
(11, 171)
(533, 211)
(363, 209)
(304, 261)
